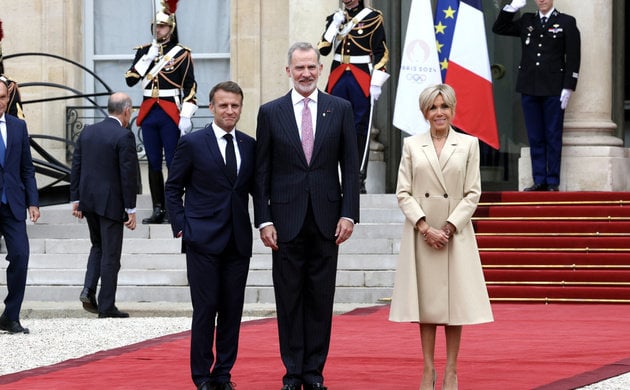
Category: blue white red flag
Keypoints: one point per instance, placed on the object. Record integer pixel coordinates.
(468, 71)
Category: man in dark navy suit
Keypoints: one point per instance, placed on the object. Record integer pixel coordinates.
(18, 192)
(305, 210)
(103, 188)
(213, 169)
(547, 75)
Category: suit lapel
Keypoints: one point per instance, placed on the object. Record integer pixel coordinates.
(324, 112)
(215, 152)
(245, 153)
(431, 155)
(287, 117)
(449, 148)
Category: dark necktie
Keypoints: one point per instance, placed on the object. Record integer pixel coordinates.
(2, 153)
(307, 131)
(230, 157)
(543, 21)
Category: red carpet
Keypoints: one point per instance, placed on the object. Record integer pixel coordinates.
(528, 346)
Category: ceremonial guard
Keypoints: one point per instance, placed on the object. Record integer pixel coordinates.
(14, 106)
(547, 75)
(169, 100)
(356, 36)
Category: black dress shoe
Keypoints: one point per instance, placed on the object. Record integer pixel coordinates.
(291, 387)
(315, 386)
(224, 386)
(552, 188)
(12, 326)
(156, 218)
(88, 298)
(114, 313)
(537, 187)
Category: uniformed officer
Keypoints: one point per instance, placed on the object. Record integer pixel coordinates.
(356, 36)
(166, 70)
(14, 107)
(547, 75)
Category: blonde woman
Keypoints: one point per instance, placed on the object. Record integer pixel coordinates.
(439, 279)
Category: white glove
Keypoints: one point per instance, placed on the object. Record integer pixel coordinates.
(338, 18)
(375, 92)
(185, 125)
(333, 28)
(564, 98)
(142, 66)
(515, 5)
(154, 50)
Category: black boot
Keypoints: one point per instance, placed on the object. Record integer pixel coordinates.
(156, 185)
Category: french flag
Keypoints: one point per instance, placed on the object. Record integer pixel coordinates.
(469, 74)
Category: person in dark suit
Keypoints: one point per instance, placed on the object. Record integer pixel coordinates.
(18, 190)
(547, 75)
(305, 210)
(103, 188)
(213, 168)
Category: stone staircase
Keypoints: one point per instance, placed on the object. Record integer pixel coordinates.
(153, 270)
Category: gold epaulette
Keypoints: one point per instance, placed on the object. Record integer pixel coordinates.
(141, 46)
(323, 44)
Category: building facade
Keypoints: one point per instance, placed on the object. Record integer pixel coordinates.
(247, 41)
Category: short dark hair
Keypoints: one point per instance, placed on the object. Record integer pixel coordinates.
(227, 86)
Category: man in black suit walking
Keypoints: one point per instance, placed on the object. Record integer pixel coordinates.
(213, 169)
(18, 190)
(305, 210)
(103, 188)
(547, 75)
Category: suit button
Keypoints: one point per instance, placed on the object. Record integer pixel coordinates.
(538, 64)
(426, 195)
(445, 195)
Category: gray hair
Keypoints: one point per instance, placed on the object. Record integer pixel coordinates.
(117, 103)
(304, 46)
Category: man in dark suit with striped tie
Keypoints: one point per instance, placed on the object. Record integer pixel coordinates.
(213, 168)
(18, 190)
(305, 210)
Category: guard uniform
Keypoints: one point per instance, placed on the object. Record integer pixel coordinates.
(360, 59)
(550, 62)
(169, 92)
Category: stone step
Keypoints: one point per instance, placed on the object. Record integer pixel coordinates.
(177, 277)
(253, 294)
(382, 208)
(154, 270)
(173, 246)
(152, 261)
(80, 230)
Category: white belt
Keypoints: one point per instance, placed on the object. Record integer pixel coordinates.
(352, 59)
(162, 93)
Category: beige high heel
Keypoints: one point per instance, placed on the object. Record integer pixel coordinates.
(434, 380)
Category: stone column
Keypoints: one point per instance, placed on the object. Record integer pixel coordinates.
(593, 159)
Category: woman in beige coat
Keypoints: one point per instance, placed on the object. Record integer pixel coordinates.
(439, 280)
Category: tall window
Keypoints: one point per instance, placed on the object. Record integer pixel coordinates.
(113, 28)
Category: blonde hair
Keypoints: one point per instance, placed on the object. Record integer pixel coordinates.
(428, 96)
